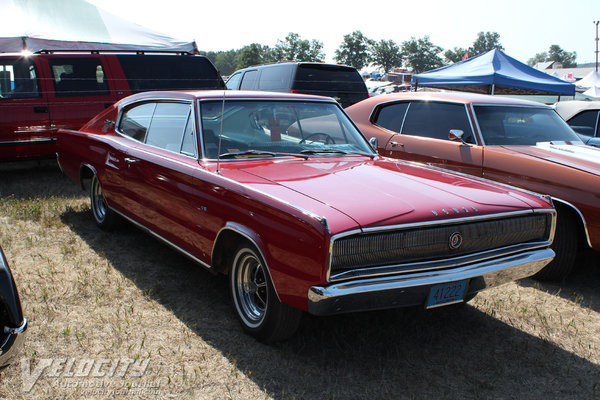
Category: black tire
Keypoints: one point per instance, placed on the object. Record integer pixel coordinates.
(257, 307)
(565, 246)
(104, 217)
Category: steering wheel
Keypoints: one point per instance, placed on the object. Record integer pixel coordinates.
(328, 138)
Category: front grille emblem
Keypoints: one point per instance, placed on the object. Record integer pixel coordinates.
(455, 240)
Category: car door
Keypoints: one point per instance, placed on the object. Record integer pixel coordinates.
(24, 121)
(424, 127)
(164, 170)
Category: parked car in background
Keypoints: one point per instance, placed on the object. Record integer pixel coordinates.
(341, 82)
(43, 92)
(282, 193)
(582, 117)
(12, 321)
(518, 142)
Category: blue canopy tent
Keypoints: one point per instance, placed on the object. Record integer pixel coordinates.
(493, 73)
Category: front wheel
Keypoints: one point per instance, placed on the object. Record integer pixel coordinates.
(259, 310)
(104, 217)
(565, 247)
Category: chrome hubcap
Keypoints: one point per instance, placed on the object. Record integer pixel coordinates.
(98, 202)
(250, 288)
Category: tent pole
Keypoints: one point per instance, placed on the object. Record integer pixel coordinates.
(492, 89)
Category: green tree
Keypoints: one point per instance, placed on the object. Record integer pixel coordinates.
(354, 50)
(538, 58)
(485, 42)
(567, 59)
(226, 61)
(293, 48)
(421, 55)
(386, 54)
(253, 54)
(455, 55)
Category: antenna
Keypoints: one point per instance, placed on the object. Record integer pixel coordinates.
(220, 133)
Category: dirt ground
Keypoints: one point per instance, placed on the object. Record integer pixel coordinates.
(121, 316)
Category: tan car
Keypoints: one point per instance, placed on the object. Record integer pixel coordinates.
(517, 142)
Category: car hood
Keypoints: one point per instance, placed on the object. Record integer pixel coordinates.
(381, 192)
(585, 158)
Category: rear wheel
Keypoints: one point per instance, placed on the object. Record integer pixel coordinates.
(565, 247)
(105, 217)
(259, 310)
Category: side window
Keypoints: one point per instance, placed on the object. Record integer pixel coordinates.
(234, 81)
(77, 76)
(249, 80)
(585, 122)
(168, 125)
(135, 121)
(18, 79)
(188, 146)
(275, 78)
(435, 120)
(391, 116)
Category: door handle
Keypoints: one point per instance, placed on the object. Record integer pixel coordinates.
(396, 144)
(130, 160)
(40, 110)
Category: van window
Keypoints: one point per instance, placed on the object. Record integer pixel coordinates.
(342, 83)
(234, 81)
(249, 80)
(275, 78)
(135, 121)
(77, 76)
(18, 79)
(167, 126)
(164, 72)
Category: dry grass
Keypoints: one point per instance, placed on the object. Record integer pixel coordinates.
(94, 295)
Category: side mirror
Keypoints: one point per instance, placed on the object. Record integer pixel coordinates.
(456, 135)
(373, 143)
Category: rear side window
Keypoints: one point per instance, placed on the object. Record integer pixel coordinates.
(168, 125)
(435, 120)
(156, 72)
(585, 122)
(249, 80)
(391, 116)
(275, 78)
(342, 83)
(18, 79)
(135, 121)
(77, 76)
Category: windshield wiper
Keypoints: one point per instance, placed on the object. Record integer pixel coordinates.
(334, 151)
(259, 153)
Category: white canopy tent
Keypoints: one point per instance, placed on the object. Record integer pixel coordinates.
(36, 25)
(594, 91)
(590, 80)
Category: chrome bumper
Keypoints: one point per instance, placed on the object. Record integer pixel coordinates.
(13, 343)
(413, 289)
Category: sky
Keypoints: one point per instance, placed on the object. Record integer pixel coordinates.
(526, 27)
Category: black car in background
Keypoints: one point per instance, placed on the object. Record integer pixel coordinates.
(341, 82)
(13, 324)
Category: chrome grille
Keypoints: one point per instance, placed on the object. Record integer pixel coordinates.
(432, 242)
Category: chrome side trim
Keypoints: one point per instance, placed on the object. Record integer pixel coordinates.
(156, 235)
(413, 289)
(552, 212)
(229, 228)
(27, 142)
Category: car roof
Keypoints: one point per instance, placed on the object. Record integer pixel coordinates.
(222, 94)
(568, 109)
(460, 97)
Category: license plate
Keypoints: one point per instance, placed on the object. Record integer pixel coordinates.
(446, 293)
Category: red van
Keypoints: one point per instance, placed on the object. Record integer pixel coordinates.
(46, 91)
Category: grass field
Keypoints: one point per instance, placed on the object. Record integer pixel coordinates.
(120, 315)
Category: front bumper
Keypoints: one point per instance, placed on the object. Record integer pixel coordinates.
(12, 344)
(412, 289)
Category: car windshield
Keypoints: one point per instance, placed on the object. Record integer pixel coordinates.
(277, 128)
(525, 126)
